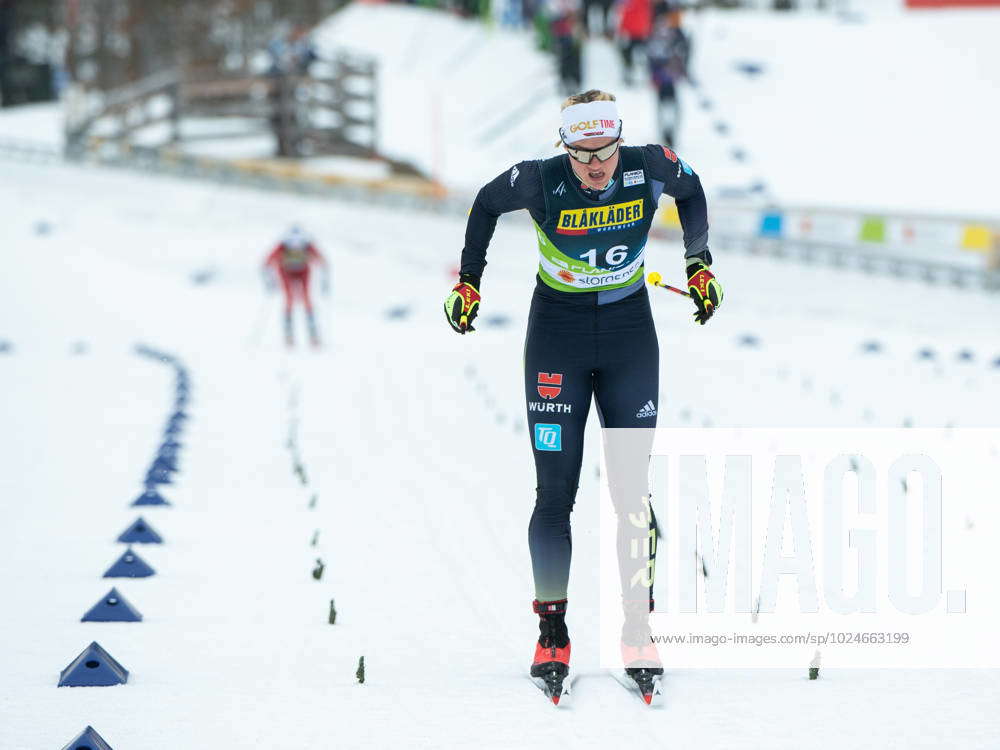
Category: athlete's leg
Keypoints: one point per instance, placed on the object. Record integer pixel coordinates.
(627, 373)
(288, 291)
(286, 288)
(667, 112)
(302, 279)
(558, 387)
(606, 27)
(588, 5)
(626, 387)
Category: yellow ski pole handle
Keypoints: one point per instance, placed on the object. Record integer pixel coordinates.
(655, 279)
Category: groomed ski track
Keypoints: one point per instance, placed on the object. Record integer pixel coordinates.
(412, 441)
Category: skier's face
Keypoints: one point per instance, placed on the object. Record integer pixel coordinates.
(597, 174)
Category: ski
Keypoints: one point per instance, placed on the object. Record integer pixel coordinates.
(643, 683)
(557, 687)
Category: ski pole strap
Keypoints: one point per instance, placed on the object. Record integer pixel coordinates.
(557, 607)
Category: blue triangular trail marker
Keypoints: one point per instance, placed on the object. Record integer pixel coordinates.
(163, 463)
(88, 739)
(112, 608)
(158, 476)
(129, 565)
(94, 667)
(168, 452)
(150, 497)
(166, 461)
(140, 532)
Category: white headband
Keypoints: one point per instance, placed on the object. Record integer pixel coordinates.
(590, 120)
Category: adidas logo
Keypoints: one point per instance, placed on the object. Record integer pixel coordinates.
(647, 410)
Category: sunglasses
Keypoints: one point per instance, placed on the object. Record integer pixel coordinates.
(586, 155)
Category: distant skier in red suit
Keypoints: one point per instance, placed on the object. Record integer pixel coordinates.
(290, 262)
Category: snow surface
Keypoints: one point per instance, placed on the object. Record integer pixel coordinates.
(896, 111)
(36, 123)
(413, 442)
(463, 101)
(423, 539)
(885, 112)
(456, 97)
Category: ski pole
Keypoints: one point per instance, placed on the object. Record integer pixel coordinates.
(655, 279)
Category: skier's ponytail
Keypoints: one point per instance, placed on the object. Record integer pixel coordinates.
(594, 95)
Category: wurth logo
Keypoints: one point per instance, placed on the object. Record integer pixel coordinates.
(548, 406)
(549, 384)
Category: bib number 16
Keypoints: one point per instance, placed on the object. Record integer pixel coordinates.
(612, 257)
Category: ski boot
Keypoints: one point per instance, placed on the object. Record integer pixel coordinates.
(639, 654)
(551, 665)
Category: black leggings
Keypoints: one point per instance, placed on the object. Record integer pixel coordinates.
(576, 349)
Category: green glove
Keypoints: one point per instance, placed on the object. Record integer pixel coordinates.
(705, 290)
(462, 305)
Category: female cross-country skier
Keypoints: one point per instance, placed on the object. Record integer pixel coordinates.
(590, 331)
(290, 261)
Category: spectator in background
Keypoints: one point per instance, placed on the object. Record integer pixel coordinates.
(634, 29)
(471, 8)
(277, 51)
(291, 52)
(302, 51)
(603, 8)
(529, 8)
(542, 22)
(662, 7)
(567, 43)
(668, 52)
